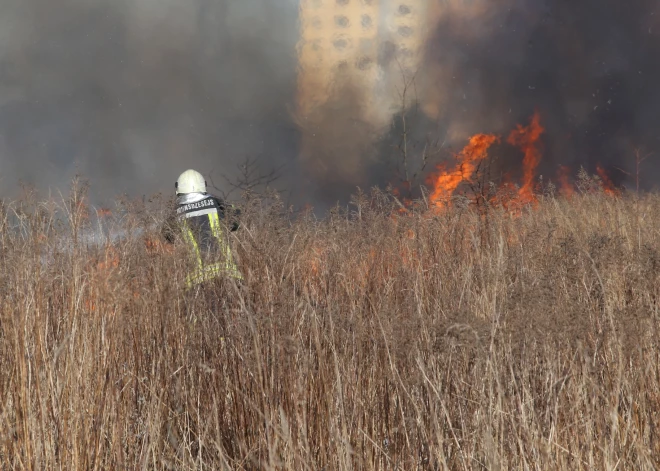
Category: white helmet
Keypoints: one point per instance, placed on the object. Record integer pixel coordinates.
(190, 181)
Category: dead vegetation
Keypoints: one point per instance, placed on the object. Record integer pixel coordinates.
(363, 341)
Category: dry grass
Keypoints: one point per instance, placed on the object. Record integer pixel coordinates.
(359, 342)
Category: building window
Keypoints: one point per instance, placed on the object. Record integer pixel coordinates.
(404, 10)
(342, 2)
(341, 21)
(342, 66)
(366, 21)
(405, 31)
(363, 63)
(340, 44)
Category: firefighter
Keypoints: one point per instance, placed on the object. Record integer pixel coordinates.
(204, 221)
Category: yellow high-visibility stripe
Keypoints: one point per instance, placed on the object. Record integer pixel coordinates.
(230, 266)
(214, 221)
(191, 238)
(211, 271)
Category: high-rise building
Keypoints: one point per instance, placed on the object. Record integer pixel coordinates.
(376, 44)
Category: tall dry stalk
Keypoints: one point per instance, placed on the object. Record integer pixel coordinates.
(364, 341)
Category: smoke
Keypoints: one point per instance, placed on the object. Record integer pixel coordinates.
(339, 142)
(589, 67)
(131, 93)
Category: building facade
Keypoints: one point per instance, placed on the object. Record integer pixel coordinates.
(376, 44)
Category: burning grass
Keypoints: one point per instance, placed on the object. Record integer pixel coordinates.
(459, 340)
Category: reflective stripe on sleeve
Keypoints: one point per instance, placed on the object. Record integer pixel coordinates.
(200, 212)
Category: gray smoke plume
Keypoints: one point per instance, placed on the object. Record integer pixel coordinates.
(131, 93)
(591, 68)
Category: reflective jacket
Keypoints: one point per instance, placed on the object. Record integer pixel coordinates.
(203, 220)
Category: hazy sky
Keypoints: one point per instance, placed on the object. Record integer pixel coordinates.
(130, 93)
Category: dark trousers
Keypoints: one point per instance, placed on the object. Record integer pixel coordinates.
(212, 307)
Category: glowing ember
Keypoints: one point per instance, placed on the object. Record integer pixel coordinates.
(110, 260)
(155, 246)
(565, 186)
(527, 138)
(445, 182)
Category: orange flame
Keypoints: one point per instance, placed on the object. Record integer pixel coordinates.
(110, 261)
(565, 186)
(318, 258)
(156, 246)
(444, 182)
(101, 272)
(608, 186)
(526, 138)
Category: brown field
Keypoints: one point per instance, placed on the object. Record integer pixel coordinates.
(364, 341)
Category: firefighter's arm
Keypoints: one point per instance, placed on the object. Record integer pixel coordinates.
(163, 240)
(234, 216)
(168, 230)
(230, 214)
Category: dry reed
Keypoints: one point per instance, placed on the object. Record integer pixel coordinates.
(362, 341)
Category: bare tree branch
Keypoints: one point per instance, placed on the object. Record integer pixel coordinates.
(412, 167)
(251, 176)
